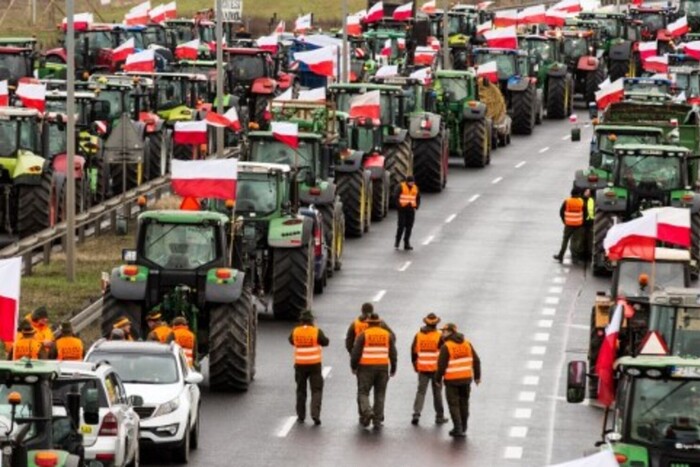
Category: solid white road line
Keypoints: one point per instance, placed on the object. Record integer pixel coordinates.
(496, 180)
(531, 380)
(534, 364)
(580, 326)
(474, 198)
(543, 150)
(513, 452)
(405, 266)
(450, 218)
(523, 413)
(428, 240)
(379, 295)
(518, 432)
(520, 164)
(286, 427)
(549, 311)
(326, 371)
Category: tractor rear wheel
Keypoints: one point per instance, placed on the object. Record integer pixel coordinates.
(593, 80)
(594, 344)
(34, 205)
(557, 98)
(351, 189)
(380, 197)
(113, 309)
(475, 143)
(602, 222)
(333, 230)
(157, 155)
(292, 281)
(619, 69)
(695, 244)
(524, 111)
(427, 163)
(182, 152)
(399, 164)
(232, 341)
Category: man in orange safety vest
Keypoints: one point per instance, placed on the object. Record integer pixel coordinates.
(424, 355)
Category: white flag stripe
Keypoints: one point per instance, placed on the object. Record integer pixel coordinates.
(217, 169)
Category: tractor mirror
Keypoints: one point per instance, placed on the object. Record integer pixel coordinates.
(73, 408)
(129, 256)
(100, 110)
(576, 382)
(91, 407)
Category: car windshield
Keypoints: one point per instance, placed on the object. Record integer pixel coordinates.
(652, 172)
(171, 93)
(575, 47)
(144, 368)
(541, 49)
(263, 150)
(608, 139)
(457, 87)
(61, 387)
(666, 412)
(180, 246)
(24, 410)
(16, 65)
(504, 62)
(256, 193)
(688, 82)
(57, 140)
(28, 137)
(680, 328)
(665, 274)
(138, 39)
(246, 67)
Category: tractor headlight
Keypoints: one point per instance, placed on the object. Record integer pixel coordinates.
(168, 407)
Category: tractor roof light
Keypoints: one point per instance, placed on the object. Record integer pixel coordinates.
(141, 201)
(610, 194)
(46, 459)
(14, 398)
(223, 273)
(130, 270)
(314, 191)
(230, 204)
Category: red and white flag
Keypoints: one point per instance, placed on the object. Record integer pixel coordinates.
(312, 95)
(81, 22)
(483, 5)
(268, 43)
(157, 15)
(141, 61)
(647, 49)
(429, 7)
(488, 70)
(424, 56)
(678, 27)
(672, 225)
(281, 27)
(120, 53)
(286, 132)
(483, 27)
(228, 120)
(367, 105)
(505, 18)
(403, 12)
(656, 64)
(4, 94)
(213, 178)
(386, 71)
(138, 14)
(569, 6)
(606, 357)
(191, 133)
(633, 239)
(532, 15)
(171, 10)
(376, 13)
(692, 49)
(614, 92)
(188, 50)
(11, 273)
(504, 38)
(320, 61)
(354, 25)
(424, 75)
(303, 23)
(33, 96)
(555, 18)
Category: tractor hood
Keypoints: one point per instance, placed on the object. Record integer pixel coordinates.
(23, 163)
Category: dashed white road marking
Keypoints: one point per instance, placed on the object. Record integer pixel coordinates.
(565, 270)
(517, 432)
(542, 336)
(450, 218)
(428, 240)
(551, 300)
(534, 364)
(559, 279)
(549, 311)
(531, 380)
(513, 452)
(326, 371)
(566, 137)
(474, 198)
(527, 396)
(520, 164)
(538, 350)
(555, 290)
(286, 426)
(545, 323)
(496, 180)
(543, 150)
(523, 413)
(404, 266)
(379, 295)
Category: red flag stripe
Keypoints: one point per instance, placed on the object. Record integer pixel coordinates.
(205, 188)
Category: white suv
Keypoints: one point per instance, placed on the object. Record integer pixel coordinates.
(160, 375)
(113, 438)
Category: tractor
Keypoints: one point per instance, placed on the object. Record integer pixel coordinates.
(654, 20)
(181, 266)
(618, 37)
(15, 63)
(186, 30)
(252, 78)
(93, 52)
(691, 9)
(584, 61)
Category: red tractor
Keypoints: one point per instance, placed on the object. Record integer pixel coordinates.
(93, 51)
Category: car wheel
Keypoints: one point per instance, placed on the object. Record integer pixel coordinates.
(194, 435)
(181, 454)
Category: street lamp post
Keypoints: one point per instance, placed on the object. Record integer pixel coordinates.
(219, 77)
(70, 144)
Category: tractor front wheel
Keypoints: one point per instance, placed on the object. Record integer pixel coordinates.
(37, 205)
(351, 189)
(524, 111)
(475, 143)
(601, 225)
(428, 165)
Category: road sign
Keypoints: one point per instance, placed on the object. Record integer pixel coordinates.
(232, 9)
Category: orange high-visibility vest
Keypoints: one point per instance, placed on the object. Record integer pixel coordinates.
(162, 332)
(409, 196)
(185, 339)
(43, 333)
(360, 327)
(26, 347)
(573, 212)
(376, 350)
(306, 348)
(428, 350)
(460, 363)
(69, 348)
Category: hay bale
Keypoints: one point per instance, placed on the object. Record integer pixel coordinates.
(167, 202)
(491, 95)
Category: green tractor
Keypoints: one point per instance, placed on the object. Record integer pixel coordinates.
(182, 267)
(552, 74)
(31, 435)
(618, 37)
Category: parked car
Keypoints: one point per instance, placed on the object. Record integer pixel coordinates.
(169, 387)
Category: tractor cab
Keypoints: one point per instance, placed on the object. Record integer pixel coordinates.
(16, 63)
(675, 316)
(691, 9)
(206, 89)
(391, 116)
(251, 76)
(176, 94)
(547, 49)
(511, 64)
(654, 20)
(687, 81)
(123, 94)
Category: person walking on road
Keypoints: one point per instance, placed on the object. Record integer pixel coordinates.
(160, 331)
(458, 366)
(373, 360)
(424, 355)
(307, 340)
(27, 344)
(358, 326)
(68, 346)
(407, 202)
(185, 338)
(571, 214)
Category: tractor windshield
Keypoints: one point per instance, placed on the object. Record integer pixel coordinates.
(25, 410)
(665, 274)
(386, 101)
(457, 87)
(456, 24)
(505, 63)
(206, 33)
(264, 150)
(154, 35)
(18, 134)
(609, 26)
(666, 412)
(692, 7)
(137, 36)
(541, 49)
(246, 67)
(171, 93)
(96, 40)
(658, 87)
(180, 246)
(679, 327)
(142, 368)
(57, 140)
(16, 65)
(184, 33)
(653, 21)
(687, 82)
(114, 97)
(575, 47)
(651, 172)
(608, 139)
(256, 193)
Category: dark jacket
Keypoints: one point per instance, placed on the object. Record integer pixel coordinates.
(322, 341)
(359, 346)
(350, 335)
(444, 358)
(414, 354)
(397, 194)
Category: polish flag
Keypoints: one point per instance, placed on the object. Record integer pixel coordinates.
(11, 273)
(505, 18)
(555, 18)
(191, 133)
(171, 10)
(33, 96)
(286, 132)
(488, 70)
(386, 49)
(4, 94)
(606, 357)
(303, 23)
(366, 105)
(483, 27)
(434, 43)
(403, 12)
(647, 49)
(505, 38)
(81, 22)
(157, 15)
(429, 7)
(424, 56)
(387, 71)
(268, 43)
(320, 61)
(483, 5)
(138, 14)
(188, 50)
(692, 49)
(123, 51)
(656, 64)
(141, 61)
(609, 94)
(281, 27)
(633, 239)
(228, 120)
(376, 13)
(678, 27)
(672, 225)
(213, 178)
(532, 15)
(424, 75)
(312, 95)
(569, 6)
(354, 26)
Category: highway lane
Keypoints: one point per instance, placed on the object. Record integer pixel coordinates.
(483, 260)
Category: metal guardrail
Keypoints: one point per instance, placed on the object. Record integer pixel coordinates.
(86, 317)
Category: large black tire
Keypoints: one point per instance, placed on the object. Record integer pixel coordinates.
(524, 111)
(333, 230)
(602, 222)
(594, 344)
(475, 142)
(156, 149)
(427, 163)
(593, 80)
(695, 244)
(232, 344)
(182, 152)
(618, 69)
(399, 164)
(34, 205)
(113, 309)
(381, 193)
(557, 97)
(181, 452)
(292, 281)
(259, 111)
(351, 189)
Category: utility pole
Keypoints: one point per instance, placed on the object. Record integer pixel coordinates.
(445, 35)
(70, 144)
(219, 77)
(33, 12)
(345, 56)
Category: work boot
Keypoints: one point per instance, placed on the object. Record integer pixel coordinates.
(396, 244)
(407, 246)
(414, 420)
(365, 420)
(377, 424)
(300, 419)
(457, 433)
(558, 258)
(317, 421)
(440, 420)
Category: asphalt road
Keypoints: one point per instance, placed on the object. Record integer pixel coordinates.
(482, 259)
